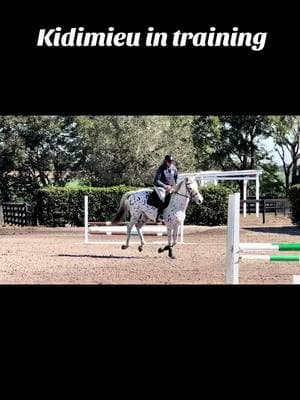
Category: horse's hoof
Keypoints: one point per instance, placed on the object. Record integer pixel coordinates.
(124, 247)
(170, 254)
(141, 248)
(160, 250)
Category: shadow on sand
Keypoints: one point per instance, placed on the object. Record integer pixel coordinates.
(280, 230)
(96, 256)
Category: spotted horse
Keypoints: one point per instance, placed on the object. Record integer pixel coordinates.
(136, 203)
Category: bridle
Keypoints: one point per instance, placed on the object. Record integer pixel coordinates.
(191, 194)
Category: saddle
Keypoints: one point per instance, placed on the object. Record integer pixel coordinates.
(154, 200)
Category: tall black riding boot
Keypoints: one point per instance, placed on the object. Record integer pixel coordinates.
(159, 217)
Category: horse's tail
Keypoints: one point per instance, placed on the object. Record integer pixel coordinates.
(123, 208)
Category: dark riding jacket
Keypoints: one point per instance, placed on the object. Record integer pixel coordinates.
(166, 176)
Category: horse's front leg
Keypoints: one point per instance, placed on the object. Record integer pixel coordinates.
(141, 236)
(174, 234)
(129, 228)
(169, 232)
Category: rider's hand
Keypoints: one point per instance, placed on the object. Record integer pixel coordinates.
(168, 188)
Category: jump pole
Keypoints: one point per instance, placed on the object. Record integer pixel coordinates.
(296, 279)
(245, 183)
(270, 246)
(234, 247)
(233, 240)
(270, 258)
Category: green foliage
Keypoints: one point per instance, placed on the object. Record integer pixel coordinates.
(59, 206)
(43, 151)
(77, 183)
(129, 149)
(206, 133)
(213, 210)
(294, 197)
(35, 151)
(230, 142)
(286, 135)
(272, 183)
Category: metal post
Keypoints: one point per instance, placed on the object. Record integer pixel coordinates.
(257, 195)
(86, 219)
(233, 240)
(245, 182)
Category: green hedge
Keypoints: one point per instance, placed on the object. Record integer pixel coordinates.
(213, 210)
(294, 197)
(60, 206)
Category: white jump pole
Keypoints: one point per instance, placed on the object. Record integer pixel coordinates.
(233, 239)
(257, 195)
(245, 182)
(296, 279)
(86, 219)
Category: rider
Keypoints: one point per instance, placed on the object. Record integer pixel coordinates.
(164, 181)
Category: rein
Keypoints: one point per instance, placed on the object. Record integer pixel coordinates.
(190, 196)
(180, 194)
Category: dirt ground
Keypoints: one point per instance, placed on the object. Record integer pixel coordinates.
(59, 256)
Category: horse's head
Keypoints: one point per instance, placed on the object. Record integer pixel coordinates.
(192, 189)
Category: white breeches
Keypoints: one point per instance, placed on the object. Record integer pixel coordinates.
(161, 192)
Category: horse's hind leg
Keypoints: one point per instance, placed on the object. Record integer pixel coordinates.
(129, 228)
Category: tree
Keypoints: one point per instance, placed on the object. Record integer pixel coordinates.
(237, 143)
(207, 140)
(128, 149)
(12, 156)
(287, 139)
(231, 142)
(36, 151)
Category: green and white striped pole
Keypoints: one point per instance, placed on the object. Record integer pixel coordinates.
(270, 246)
(263, 257)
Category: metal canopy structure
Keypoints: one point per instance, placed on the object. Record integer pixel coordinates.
(205, 177)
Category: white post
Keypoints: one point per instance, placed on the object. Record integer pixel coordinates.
(233, 240)
(245, 182)
(1, 215)
(257, 195)
(296, 279)
(181, 232)
(86, 219)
